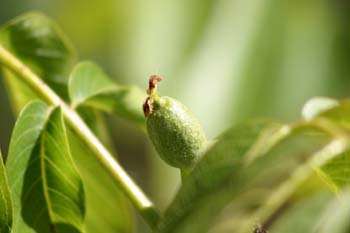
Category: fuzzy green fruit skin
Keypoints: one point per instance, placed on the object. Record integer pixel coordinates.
(175, 132)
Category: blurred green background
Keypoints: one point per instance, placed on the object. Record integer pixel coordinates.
(227, 60)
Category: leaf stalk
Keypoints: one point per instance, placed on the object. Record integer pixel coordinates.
(140, 201)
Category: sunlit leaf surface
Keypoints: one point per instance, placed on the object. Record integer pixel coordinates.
(37, 41)
(90, 86)
(5, 201)
(337, 172)
(45, 185)
(106, 208)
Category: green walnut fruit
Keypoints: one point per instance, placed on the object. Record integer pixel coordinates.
(175, 132)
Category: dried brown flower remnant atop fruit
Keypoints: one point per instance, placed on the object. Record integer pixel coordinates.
(147, 107)
(153, 82)
(151, 91)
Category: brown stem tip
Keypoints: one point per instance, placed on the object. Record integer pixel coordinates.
(147, 107)
(151, 91)
(153, 82)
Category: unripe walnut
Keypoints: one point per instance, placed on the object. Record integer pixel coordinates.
(175, 132)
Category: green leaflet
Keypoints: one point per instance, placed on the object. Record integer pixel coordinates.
(318, 213)
(336, 173)
(90, 86)
(245, 168)
(45, 185)
(5, 201)
(37, 41)
(331, 109)
(107, 209)
(314, 212)
(38, 33)
(340, 114)
(302, 175)
(316, 106)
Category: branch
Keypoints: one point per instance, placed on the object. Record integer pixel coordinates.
(114, 169)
